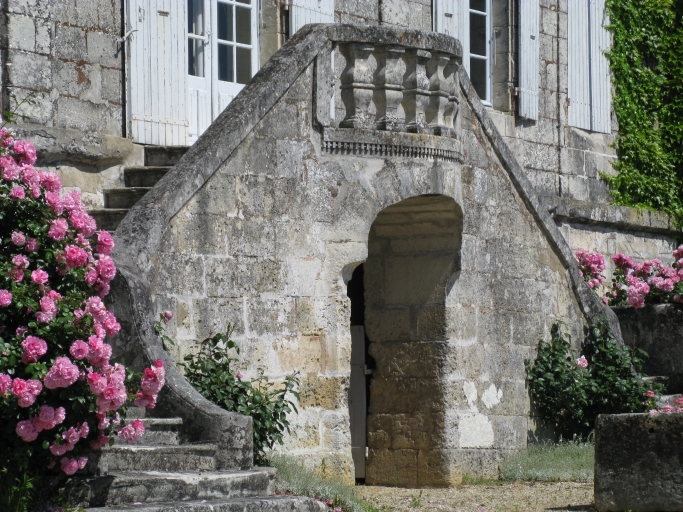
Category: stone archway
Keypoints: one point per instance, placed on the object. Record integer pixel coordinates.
(413, 252)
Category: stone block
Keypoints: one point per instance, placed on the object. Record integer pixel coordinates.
(302, 353)
(412, 359)
(391, 467)
(323, 391)
(102, 49)
(416, 431)
(30, 70)
(405, 395)
(111, 85)
(435, 468)
(380, 431)
(638, 462)
(21, 33)
(384, 324)
(69, 43)
(211, 316)
(83, 116)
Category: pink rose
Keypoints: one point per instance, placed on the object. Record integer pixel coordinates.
(50, 182)
(105, 243)
(649, 393)
(69, 466)
(106, 268)
(75, 256)
(26, 151)
(5, 384)
(20, 261)
(57, 450)
(167, 316)
(60, 415)
(39, 276)
(18, 238)
(58, 228)
(26, 431)
(10, 170)
(79, 349)
(62, 374)
(34, 348)
(582, 362)
(5, 298)
(32, 245)
(17, 192)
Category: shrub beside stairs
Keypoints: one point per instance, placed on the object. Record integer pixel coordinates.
(159, 473)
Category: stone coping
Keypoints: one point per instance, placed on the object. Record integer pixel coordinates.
(612, 216)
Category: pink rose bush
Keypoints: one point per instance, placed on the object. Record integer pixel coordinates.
(634, 284)
(60, 394)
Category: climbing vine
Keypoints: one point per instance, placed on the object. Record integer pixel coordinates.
(647, 69)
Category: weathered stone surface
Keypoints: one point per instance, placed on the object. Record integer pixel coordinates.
(638, 462)
(658, 330)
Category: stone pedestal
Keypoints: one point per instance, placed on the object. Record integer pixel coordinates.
(639, 462)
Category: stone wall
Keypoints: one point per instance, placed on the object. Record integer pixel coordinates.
(270, 240)
(65, 54)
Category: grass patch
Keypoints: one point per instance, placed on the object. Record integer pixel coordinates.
(292, 478)
(548, 462)
(471, 480)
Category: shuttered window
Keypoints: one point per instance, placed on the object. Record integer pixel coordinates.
(588, 68)
(528, 58)
(470, 22)
(302, 12)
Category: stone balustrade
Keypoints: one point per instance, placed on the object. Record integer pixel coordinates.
(397, 88)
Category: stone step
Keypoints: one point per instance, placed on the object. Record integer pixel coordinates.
(158, 432)
(123, 197)
(656, 379)
(667, 400)
(143, 176)
(164, 155)
(262, 504)
(187, 457)
(108, 218)
(149, 487)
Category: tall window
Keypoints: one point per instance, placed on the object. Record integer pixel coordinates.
(196, 39)
(234, 41)
(480, 47)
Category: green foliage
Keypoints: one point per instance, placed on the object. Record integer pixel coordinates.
(549, 462)
(209, 371)
(647, 70)
(17, 491)
(570, 398)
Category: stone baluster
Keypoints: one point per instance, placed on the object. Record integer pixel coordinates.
(357, 84)
(416, 94)
(451, 119)
(388, 92)
(440, 93)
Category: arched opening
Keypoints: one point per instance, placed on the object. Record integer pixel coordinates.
(413, 251)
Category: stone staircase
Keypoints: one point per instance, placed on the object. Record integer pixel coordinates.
(158, 473)
(138, 181)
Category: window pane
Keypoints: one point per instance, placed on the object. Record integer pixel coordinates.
(195, 57)
(243, 25)
(225, 22)
(244, 1)
(478, 77)
(195, 17)
(243, 65)
(478, 5)
(225, 63)
(478, 34)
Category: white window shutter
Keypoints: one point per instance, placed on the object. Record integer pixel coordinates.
(451, 17)
(578, 62)
(302, 12)
(528, 58)
(599, 68)
(156, 78)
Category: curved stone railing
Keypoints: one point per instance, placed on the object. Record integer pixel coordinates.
(396, 86)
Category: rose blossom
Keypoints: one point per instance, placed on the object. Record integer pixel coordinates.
(582, 362)
(168, 315)
(26, 431)
(62, 374)
(17, 192)
(69, 466)
(75, 256)
(34, 347)
(106, 268)
(39, 276)
(131, 432)
(20, 261)
(5, 298)
(105, 243)
(58, 228)
(32, 245)
(5, 384)
(18, 238)
(79, 349)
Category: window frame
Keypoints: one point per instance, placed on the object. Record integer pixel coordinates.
(488, 100)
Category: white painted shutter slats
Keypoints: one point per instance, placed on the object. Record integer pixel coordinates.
(451, 17)
(302, 12)
(578, 61)
(528, 58)
(155, 72)
(599, 68)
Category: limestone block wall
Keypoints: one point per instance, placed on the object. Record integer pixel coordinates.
(454, 303)
(65, 53)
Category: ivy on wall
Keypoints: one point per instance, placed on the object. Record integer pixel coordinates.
(647, 72)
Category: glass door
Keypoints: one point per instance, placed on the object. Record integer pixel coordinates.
(235, 47)
(198, 69)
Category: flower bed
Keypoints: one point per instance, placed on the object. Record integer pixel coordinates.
(60, 395)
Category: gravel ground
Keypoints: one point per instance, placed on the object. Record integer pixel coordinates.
(515, 497)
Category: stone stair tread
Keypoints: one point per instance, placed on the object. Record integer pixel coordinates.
(144, 176)
(181, 448)
(126, 190)
(258, 504)
(160, 422)
(108, 218)
(128, 487)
